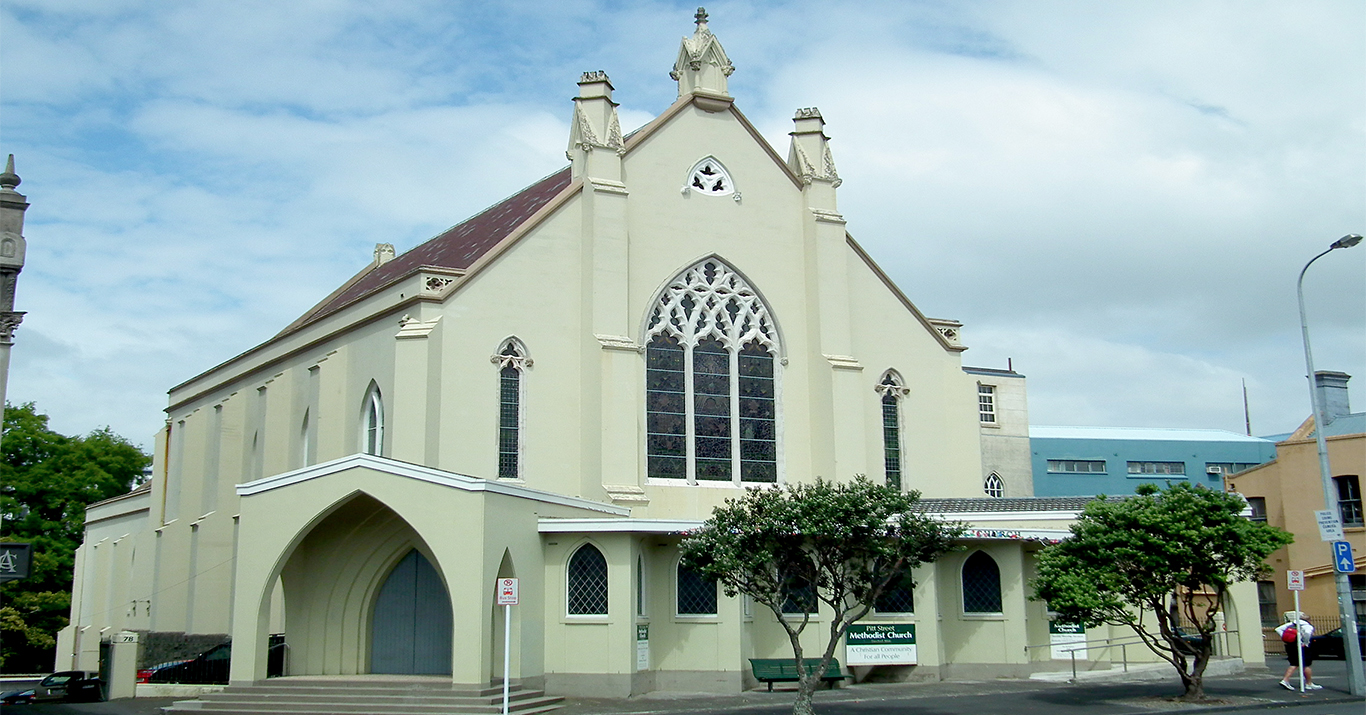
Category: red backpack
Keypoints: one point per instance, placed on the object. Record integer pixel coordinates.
(1290, 635)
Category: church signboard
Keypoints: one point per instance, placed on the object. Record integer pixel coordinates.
(880, 644)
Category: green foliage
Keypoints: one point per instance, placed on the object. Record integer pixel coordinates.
(46, 480)
(852, 541)
(1164, 554)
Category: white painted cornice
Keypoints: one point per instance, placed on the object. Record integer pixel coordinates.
(423, 474)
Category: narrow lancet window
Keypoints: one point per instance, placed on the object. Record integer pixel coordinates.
(892, 391)
(372, 423)
(512, 361)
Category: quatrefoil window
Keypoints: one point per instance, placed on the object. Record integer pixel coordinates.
(709, 177)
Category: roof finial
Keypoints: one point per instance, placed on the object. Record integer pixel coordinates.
(701, 18)
(9, 179)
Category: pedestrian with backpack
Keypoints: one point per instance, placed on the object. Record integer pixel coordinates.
(1295, 634)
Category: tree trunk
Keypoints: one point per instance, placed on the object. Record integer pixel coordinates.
(806, 691)
(1195, 681)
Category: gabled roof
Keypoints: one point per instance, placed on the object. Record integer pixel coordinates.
(457, 248)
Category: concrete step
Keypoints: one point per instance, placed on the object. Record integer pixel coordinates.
(340, 697)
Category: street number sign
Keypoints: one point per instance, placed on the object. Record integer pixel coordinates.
(507, 591)
(1296, 580)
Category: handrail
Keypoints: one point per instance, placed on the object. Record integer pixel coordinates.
(1072, 648)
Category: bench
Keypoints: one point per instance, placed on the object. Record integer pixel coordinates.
(784, 670)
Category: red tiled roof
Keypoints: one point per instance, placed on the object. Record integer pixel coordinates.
(458, 247)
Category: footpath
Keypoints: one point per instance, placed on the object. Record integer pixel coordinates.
(1143, 690)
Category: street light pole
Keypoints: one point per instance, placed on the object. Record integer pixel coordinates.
(1346, 610)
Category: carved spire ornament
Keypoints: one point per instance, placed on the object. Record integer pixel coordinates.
(12, 249)
(702, 66)
(595, 128)
(810, 156)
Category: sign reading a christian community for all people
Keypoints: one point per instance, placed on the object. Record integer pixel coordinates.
(1063, 637)
(880, 644)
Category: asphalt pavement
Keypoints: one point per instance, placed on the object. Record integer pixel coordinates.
(1255, 689)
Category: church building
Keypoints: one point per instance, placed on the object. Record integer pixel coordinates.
(556, 390)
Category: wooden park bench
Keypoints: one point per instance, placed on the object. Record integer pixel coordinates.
(784, 670)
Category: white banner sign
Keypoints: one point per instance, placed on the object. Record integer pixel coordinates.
(1063, 637)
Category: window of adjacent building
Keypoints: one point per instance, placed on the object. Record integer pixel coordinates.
(1214, 468)
(1349, 499)
(892, 391)
(1266, 604)
(981, 584)
(372, 423)
(899, 596)
(1358, 584)
(986, 403)
(1258, 507)
(711, 382)
(1158, 468)
(801, 598)
(512, 362)
(1076, 466)
(586, 582)
(696, 594)
(993, 486)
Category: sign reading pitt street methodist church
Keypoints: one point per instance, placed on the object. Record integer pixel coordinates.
(880, 644)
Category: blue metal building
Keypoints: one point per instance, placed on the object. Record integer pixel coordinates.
(1086, 461)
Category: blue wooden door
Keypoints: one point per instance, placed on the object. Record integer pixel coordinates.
(411, 630)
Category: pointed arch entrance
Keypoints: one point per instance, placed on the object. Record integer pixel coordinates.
(410, 629)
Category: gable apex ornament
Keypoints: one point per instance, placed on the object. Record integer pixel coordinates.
(702, 65)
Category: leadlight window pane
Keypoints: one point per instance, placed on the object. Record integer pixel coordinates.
(758, 433)
(993, 486)
(711, 409)
(666, 441)
(587, 582)
(374, 422)
(981, 584)
(509, 414)
(899, 596)
(801, 598)
(891, 440)
(696, 594)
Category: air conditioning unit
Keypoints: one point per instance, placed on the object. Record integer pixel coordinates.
(1214, 469)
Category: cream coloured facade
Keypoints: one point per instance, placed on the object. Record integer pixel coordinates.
(555, 390)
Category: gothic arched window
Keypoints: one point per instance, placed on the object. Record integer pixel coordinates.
(892, 391)
(711, 381)
(512, 362)
(372, 422)
(993, 486)
(696, 593)
(586, 582)
(981, 584)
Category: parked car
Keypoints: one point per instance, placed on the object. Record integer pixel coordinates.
(1330, 644)
(1190, 639)
(207, 668)
(73, 686)
(145, 674)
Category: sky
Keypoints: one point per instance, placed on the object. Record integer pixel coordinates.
(1114, 197)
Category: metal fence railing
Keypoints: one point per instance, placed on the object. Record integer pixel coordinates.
(1226, 643)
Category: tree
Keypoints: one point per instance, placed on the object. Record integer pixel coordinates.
(846, 544)
(46, 480)
(1145, 561)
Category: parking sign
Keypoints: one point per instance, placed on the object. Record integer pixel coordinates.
(507, 591)
(1296, 580)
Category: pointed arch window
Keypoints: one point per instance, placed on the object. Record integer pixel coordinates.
(696, 593)
(981, 584)
(512, 361)
(710, 178)
(711, 380)
(892, 390)
(994, 486)
(372, 422)
(586, 582)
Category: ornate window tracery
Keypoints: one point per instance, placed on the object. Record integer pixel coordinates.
(710, 178)
(711, 380)
(993, 486)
